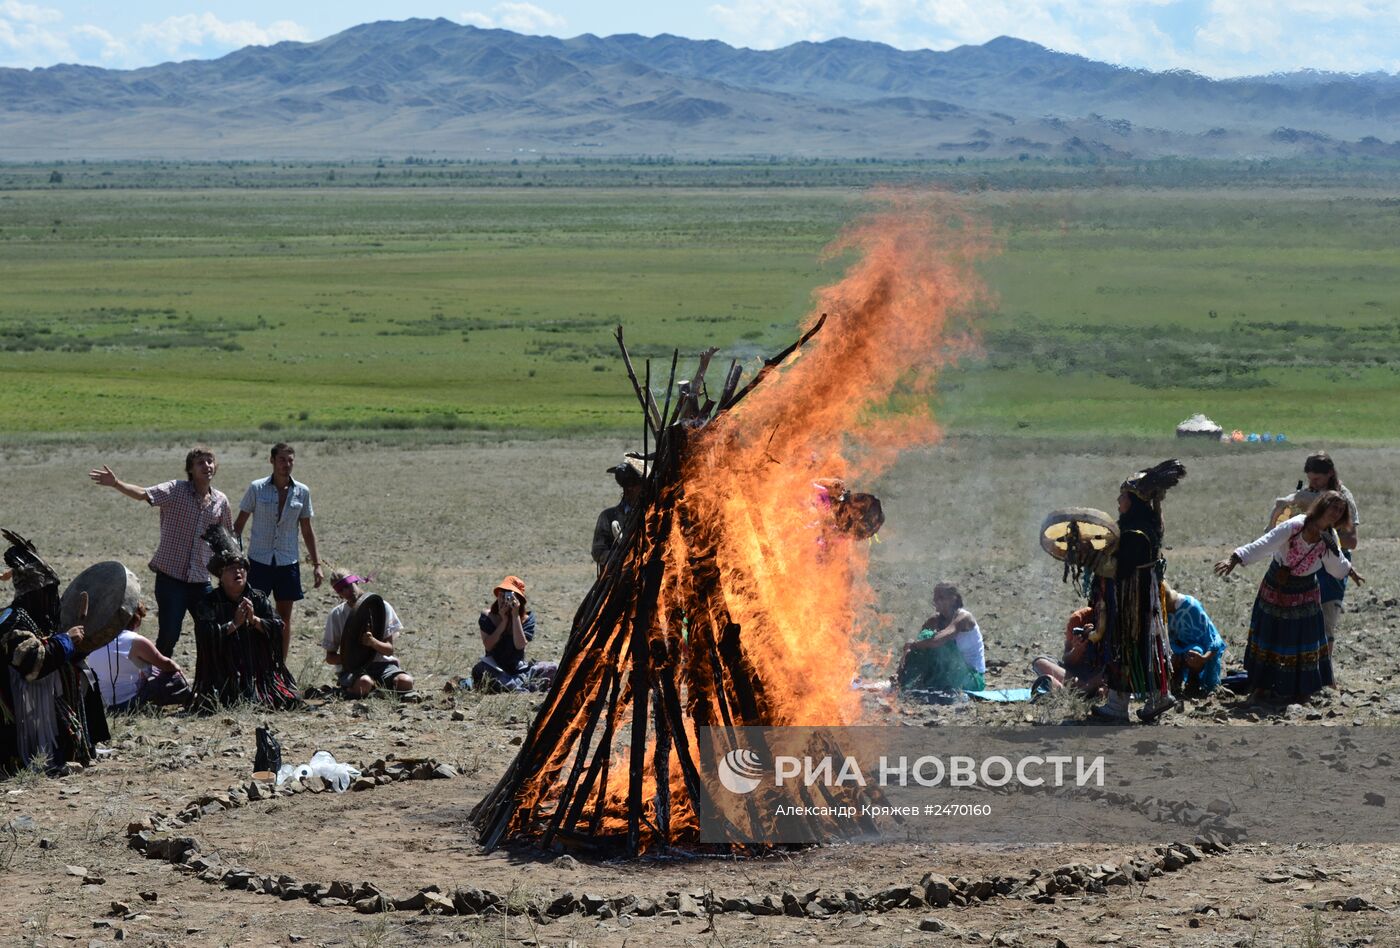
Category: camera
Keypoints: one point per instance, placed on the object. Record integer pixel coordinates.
(509, 599)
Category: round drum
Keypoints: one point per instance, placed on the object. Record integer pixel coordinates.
(113, 593)
(1093, 525)
(369, 614)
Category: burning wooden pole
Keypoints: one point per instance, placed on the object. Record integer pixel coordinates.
(653, 653)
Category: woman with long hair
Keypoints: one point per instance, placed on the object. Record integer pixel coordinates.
(1288, 656)
(1321, 474)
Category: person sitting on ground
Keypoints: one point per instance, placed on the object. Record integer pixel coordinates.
(132, 673)
(50, 713)
(1198, 651)
(1083, 665)
(383, 670)
(948, 655)
(506, 629)
(238, 637)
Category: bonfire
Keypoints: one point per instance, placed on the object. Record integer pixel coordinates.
(738, 595)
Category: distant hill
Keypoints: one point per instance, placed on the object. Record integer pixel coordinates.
(434, 87)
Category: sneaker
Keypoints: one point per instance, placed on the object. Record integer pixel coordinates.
(1041, 686)
(1152, 711)
(1103, 714)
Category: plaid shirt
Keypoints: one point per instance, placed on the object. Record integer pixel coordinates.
(273, 540)
(181, 553)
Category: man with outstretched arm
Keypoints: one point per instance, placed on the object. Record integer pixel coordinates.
(187, 509)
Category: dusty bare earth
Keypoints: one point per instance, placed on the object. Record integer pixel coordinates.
(439, 525)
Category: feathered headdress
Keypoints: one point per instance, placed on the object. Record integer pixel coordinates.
(1152, 484)
(31, 573)
(226, 547)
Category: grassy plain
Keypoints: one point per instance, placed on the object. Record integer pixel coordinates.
(303, 304)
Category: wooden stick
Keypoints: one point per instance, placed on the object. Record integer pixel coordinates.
(770, 364)
(661, 761)
(599, 765)
(584, 743)
(648, 405)
(731, 382)
(697, 381)
(641, 690)
(670, 386)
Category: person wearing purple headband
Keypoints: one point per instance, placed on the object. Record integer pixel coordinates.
(383, 671)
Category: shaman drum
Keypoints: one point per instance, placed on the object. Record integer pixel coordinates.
(1301, 503)
(1092, 525)
(860, 515)
(113, 593)
(369, 614)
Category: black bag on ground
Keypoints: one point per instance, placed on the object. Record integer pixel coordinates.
(269, 755)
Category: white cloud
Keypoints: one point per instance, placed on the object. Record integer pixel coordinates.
(32, 35)
(192, 32)
(1279, 35)
(765, 24)
(517, 16)
(99, 42)
(1216, 37)
(16, 12)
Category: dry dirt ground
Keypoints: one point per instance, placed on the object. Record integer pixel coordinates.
(439, 525)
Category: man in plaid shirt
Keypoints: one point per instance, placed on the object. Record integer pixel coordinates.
(181, 562)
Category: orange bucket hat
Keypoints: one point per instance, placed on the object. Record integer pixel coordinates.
(511, 584)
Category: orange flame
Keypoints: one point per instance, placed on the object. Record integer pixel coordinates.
(761, 595)
(844, 408)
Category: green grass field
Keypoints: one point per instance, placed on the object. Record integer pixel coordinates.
(301, 309)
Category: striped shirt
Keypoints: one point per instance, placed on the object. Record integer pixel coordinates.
(182, 554)
(273, 541)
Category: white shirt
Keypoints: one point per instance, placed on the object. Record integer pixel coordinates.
(335, 625)
(119, 676)
(969, 643)
(1286, 545)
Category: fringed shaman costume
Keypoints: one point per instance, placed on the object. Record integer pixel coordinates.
(1125, 589)
(237, 662)
(49, 709)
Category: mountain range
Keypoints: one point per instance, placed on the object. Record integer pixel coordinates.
(439, 88)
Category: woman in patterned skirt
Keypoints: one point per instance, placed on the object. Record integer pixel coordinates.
(1288, 657)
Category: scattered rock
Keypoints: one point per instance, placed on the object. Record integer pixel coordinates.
(435, 903)
(150, 896)
(22, 824)
(566, 862)
(119, 908)
(931, 924)
(938, 890)
(1375, 799)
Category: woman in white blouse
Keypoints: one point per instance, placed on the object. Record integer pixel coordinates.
(1288, 657)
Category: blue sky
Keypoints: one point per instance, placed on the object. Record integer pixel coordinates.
(1214, 37)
